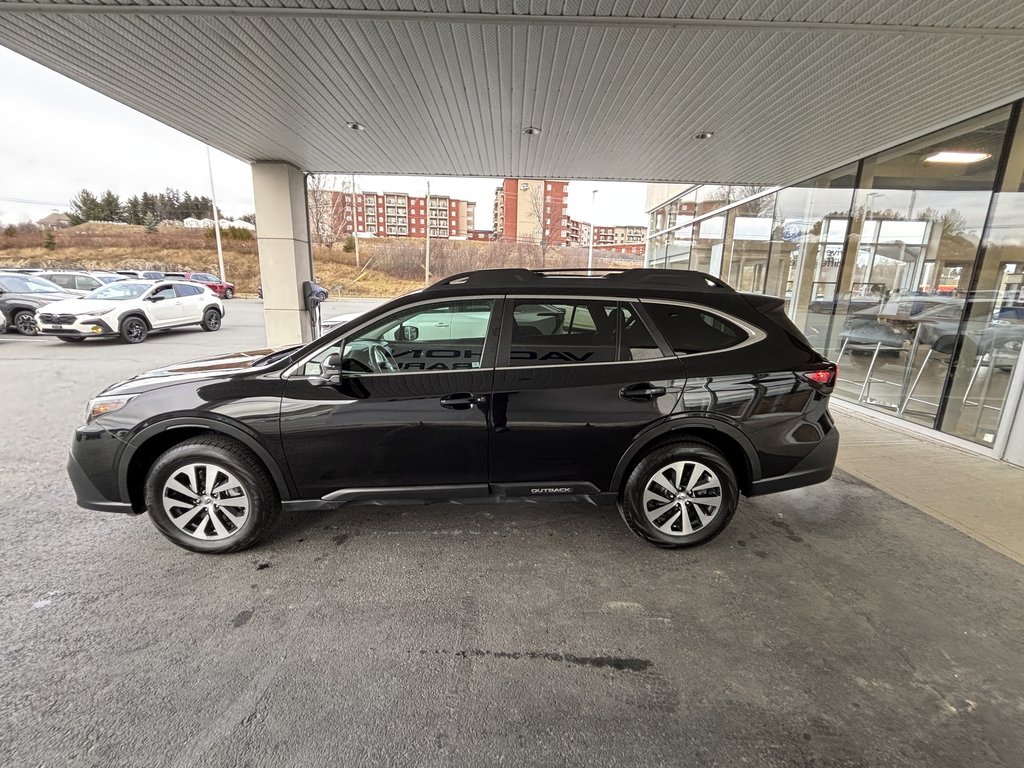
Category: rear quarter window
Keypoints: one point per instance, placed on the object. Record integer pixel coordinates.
(690, 330)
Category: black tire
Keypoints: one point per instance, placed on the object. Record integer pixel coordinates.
(24, 322)
(72, 339)
(631, 504)
(230, 456)
(134, 330)
(228, 293)
(211, 320)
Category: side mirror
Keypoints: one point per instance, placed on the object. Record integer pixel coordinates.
(330, 371)
(154, 297)
(407, 333)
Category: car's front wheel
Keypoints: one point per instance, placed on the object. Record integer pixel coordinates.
(680, 495)
(25, 322)
(211, 495)
(211, 320)
(134, 330)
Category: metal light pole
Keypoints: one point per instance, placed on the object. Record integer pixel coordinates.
(216, 221)
(426, 260)
(590, 252)
(355, 231)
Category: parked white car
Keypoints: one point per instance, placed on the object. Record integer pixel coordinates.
(131, 309)
(78, 282)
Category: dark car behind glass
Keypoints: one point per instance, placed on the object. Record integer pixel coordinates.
(664, 392)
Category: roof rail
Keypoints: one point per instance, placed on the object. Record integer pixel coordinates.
(671, 278)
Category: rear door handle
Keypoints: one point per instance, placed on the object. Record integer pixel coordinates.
(641, 392)
(461, 401)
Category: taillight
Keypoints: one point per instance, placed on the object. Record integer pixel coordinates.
(826, 377)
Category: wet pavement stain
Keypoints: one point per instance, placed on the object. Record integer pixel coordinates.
(241, 619)
(621, 663)
(790, 533)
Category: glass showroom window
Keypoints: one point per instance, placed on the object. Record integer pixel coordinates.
(988, 348)
(746, 257)
(918, 218)
(808, 240)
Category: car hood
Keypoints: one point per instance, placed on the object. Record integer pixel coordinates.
(194, 370)
(44, 298)
(78, 306)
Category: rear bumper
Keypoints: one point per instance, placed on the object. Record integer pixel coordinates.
(815, 467)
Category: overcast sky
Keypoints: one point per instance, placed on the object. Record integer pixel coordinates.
(57, 137)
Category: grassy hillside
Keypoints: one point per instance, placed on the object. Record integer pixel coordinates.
(386, 267)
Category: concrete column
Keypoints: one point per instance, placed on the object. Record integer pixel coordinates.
(282, 233)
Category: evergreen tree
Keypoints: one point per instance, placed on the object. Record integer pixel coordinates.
(133, 210)
(250, 217)
(49, 241)
(84, 207)
(150, 223)
(11, 230)
(110, 207)
(148, 205)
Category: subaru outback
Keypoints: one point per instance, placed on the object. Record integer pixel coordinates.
(665, 392)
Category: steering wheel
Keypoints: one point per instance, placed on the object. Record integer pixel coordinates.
(382, 360)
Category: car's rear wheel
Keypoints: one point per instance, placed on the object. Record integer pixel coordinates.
(24, 322)
(211, 495)
(680, 495)
(211, 320)
(134, 330)
(228, 293)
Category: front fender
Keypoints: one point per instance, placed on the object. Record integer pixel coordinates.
(231, 429)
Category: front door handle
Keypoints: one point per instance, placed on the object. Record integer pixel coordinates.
(461, 401)
(641, 392)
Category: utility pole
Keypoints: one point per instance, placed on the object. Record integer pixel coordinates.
(355, 233)
(216, 220)
(590, 252)
(426, 260)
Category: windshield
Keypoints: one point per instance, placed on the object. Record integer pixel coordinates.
(108, 278)
(122, 290)
(26, 284)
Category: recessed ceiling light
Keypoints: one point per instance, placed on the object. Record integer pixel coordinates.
(531, 131)
(957, 157)
(704, 135)
(357, 126)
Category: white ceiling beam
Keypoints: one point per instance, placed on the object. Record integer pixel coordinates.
(661, 23)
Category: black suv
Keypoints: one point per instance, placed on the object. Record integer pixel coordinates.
(664, 391)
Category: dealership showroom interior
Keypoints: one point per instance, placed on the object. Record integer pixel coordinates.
(504, 382)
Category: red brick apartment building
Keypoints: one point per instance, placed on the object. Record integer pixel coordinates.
(397, 214)
(525, 210)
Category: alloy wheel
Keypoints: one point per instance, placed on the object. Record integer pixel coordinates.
(682, 498)
(135, 330)
(25, 322)
(205, 501)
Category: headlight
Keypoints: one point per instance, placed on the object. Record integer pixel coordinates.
(98, 314)
(99, 406)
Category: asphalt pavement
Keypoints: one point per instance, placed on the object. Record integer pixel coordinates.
(829, 626)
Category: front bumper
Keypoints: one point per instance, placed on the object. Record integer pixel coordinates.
(92, 469)
(84, 330)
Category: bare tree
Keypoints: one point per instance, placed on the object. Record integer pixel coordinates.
(329, 217)
(544, 231)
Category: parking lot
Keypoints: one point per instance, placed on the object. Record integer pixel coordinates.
(828, 626)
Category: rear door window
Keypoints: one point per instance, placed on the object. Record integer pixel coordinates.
(86, 283)
(187, 290)
(691, 330)
(562, 332)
